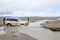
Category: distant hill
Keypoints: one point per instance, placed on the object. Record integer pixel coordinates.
(32, 18)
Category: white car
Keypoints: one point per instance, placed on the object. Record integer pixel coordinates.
(12, 21)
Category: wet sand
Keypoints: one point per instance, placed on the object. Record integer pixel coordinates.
(22, 36)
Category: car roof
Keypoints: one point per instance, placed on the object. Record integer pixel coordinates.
(12, 18)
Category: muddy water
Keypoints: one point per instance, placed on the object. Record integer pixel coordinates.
(10, 29)
(40, 33)
(56, 36)
(35, 32)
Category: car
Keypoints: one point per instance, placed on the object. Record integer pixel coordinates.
(12, 21)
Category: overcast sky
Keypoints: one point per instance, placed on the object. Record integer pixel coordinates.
(30, 7)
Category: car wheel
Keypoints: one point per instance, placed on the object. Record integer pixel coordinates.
(22, 24)
(8, 24)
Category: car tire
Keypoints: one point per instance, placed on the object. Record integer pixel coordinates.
(8, 24)
(22, 24)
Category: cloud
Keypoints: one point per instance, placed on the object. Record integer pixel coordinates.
(25, 13)
(28, 6)
(50, 10)
(4, 1)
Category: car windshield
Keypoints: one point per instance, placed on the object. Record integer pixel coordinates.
(12, 19)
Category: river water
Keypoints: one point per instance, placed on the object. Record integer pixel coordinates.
(36, 31)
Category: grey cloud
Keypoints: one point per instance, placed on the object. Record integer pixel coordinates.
(26, 5)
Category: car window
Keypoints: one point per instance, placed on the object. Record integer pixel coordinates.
(12, 19)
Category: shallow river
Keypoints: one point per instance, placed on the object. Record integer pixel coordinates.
(35, 30)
